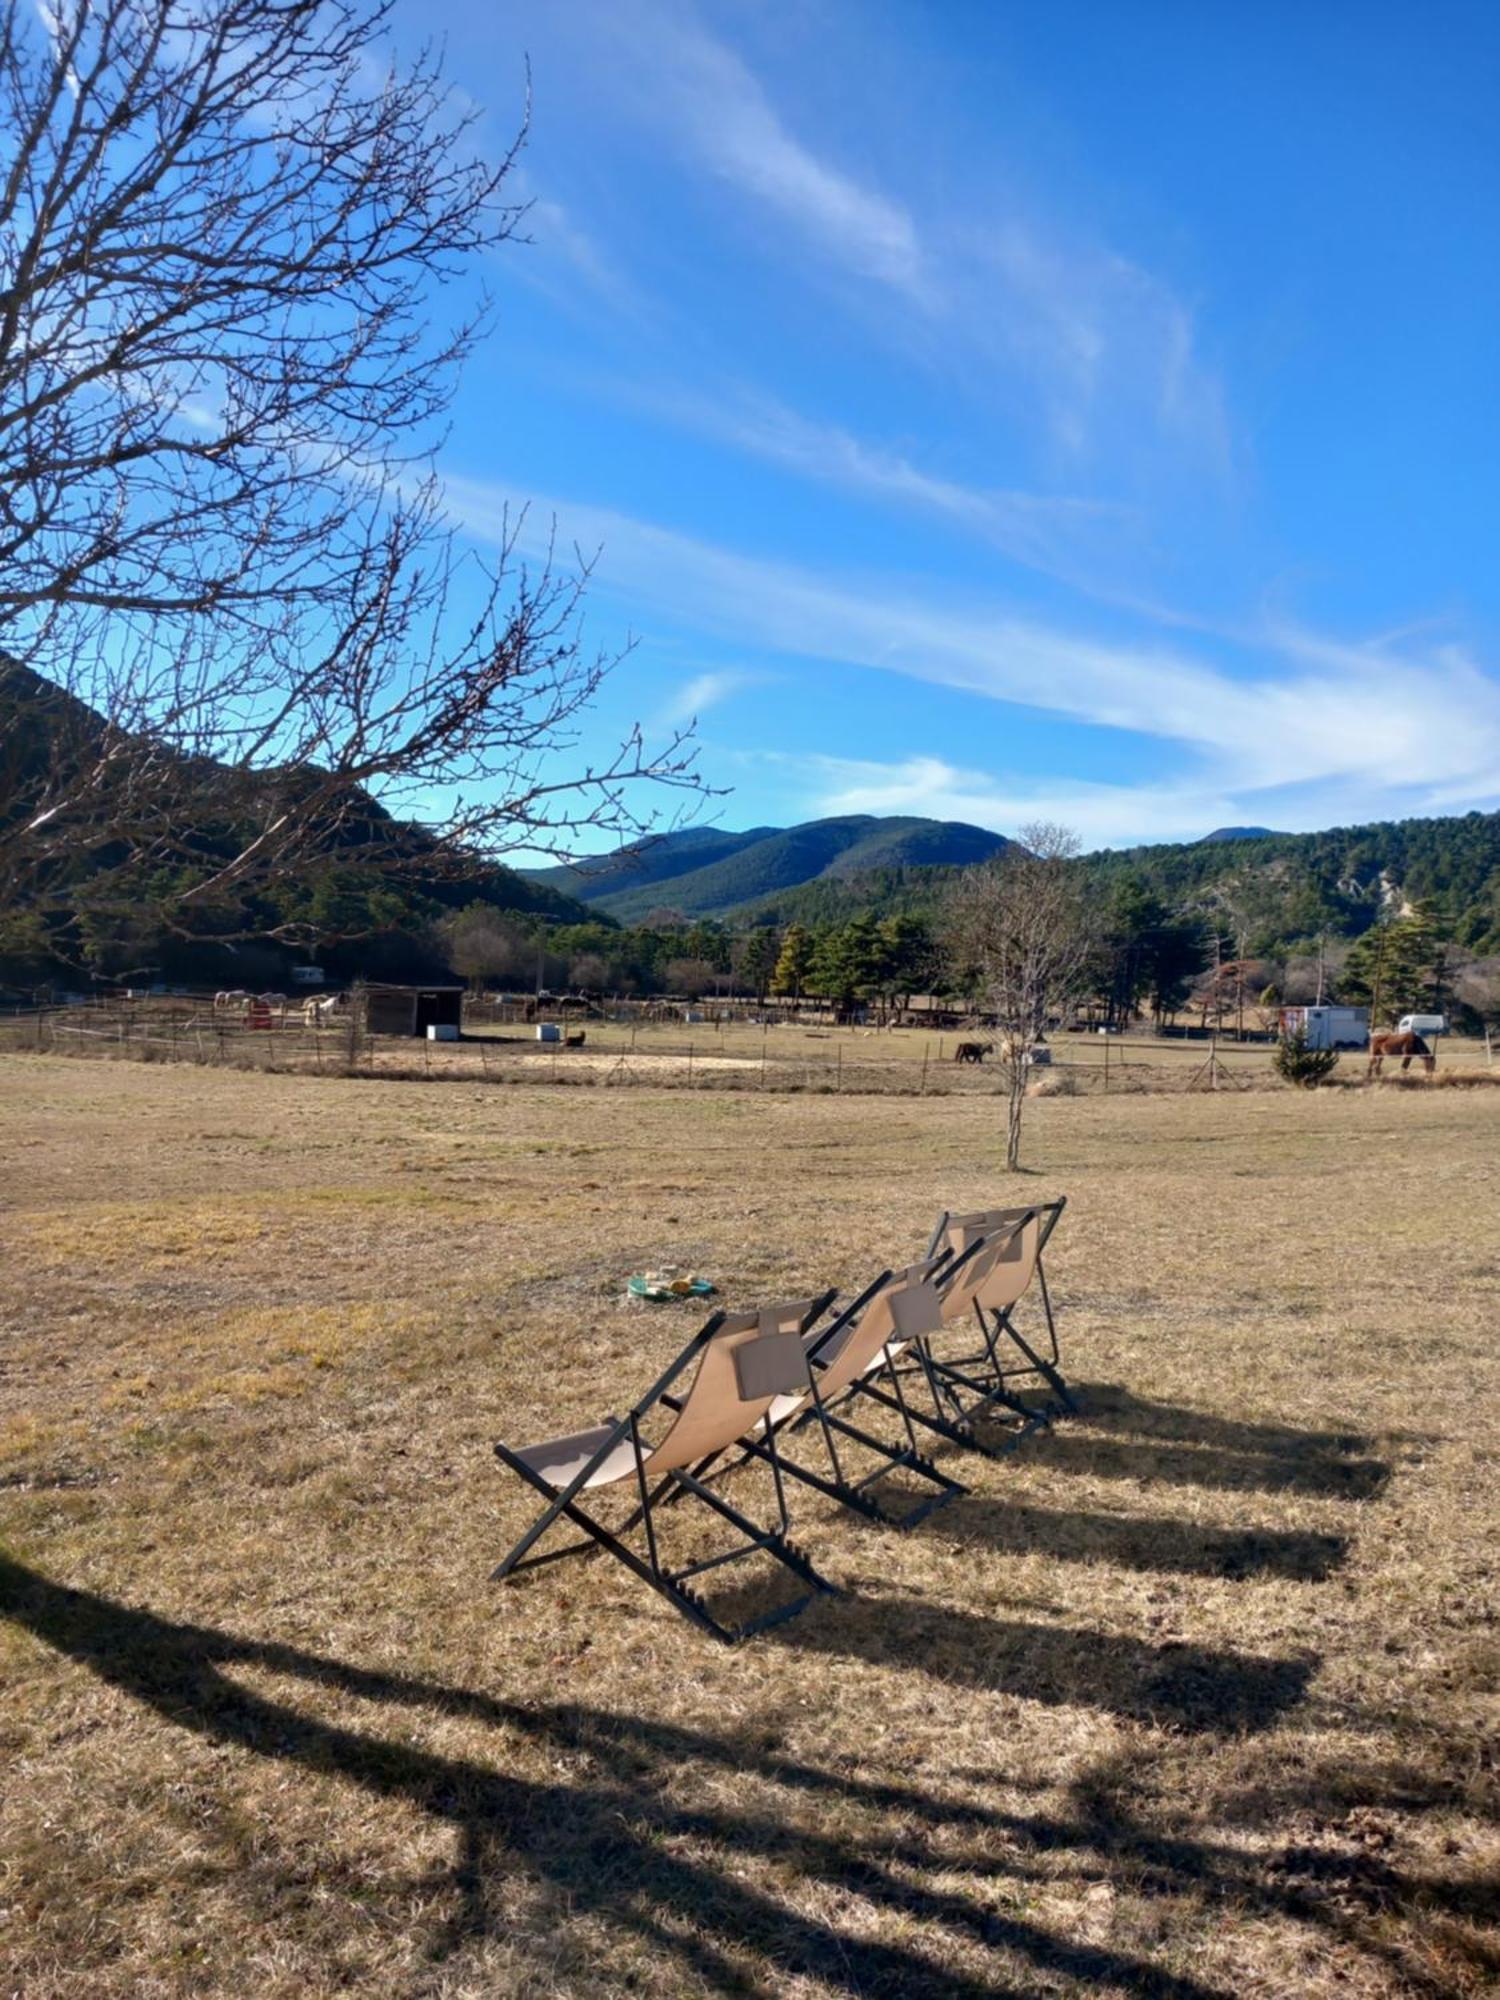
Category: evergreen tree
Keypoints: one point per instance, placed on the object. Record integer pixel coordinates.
(1299, 1064)
(794, 963)
(758, 959)
(1396, 968)
(849, 962)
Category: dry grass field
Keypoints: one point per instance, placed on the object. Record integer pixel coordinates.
(736, 1056)
(1195, 1696)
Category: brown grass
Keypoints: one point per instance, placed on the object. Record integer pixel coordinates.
(729, 1056)
(1194, 1697)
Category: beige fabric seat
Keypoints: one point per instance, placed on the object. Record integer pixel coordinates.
(742, 1365)
(993, 1284)
(861, 1346)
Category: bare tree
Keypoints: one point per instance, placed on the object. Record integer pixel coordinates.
(589, 973)
(690, 977)
(224, 225)
(1478, 988)
(1020, 931)
(483, 947)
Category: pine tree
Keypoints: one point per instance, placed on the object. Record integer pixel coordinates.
(1299, 1064)
(1396, 967)
(795, 962)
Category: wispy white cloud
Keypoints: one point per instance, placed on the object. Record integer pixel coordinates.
(705, 691)
(1065, 536)
(723, 112)
(562, 256)
(1011, 302)
(1110, 351)
(1307, 711)
(930, 787)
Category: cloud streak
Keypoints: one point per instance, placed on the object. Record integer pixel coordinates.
(1311, 711)
(930, 787)
(1014, 304)
(723, 116)
(704, 691)
(1060, 535)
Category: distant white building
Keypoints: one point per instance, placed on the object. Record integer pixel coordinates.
(1328, 1027)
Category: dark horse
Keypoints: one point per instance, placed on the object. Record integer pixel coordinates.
(1406, 1046)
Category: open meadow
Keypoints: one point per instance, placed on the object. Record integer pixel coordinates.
(1193, 1696)
(733, 1055)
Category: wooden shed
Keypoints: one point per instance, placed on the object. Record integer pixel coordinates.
(412, 1010)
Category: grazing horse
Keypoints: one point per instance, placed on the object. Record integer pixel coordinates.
(974, 1052)
(1406, 1046)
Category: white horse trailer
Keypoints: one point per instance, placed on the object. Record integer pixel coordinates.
(1422, 1024)
(1328, 1027)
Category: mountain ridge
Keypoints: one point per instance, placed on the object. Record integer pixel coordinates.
(724, 875)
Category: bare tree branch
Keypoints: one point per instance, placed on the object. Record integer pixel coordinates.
(223, 226)
(1021, 930)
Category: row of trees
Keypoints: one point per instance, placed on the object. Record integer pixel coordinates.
(1141, 961)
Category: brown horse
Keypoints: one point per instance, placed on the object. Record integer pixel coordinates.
(974, 1052)
(1406, 1046)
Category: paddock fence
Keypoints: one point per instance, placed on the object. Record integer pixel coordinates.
(865, 1062)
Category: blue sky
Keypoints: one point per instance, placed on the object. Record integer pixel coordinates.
(999, 411)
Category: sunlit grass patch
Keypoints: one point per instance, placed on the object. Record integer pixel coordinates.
(1181, 1700)
(138, 1234)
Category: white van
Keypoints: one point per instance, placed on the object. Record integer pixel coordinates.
(1422, 1024)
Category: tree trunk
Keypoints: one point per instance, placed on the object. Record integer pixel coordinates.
(1015, 1105)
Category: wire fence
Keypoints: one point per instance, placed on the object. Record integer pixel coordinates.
(868, 1064)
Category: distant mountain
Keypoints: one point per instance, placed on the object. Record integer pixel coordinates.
(376, 877)
(657, 860)
(706, 873)
(1279, 891)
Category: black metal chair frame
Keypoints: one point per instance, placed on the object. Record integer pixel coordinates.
(673, 1583)
(831, 1417)
(956, 1400)
(991, 1385)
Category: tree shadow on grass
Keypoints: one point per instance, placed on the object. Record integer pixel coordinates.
(631, 1840)
(605, 1847)
(1142, 1542)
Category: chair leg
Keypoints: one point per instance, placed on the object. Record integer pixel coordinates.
(855, 1494)
(984, 1397)
(990, 1388)
(673, 1584)
(962, 1397)
(1039, 1365)
(957, 1430)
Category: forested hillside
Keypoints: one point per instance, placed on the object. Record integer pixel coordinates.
(369, 904)
(1269, 893)
(701, 873)
(666, 914)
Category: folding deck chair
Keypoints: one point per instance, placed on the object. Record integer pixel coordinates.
(859, 1349)
(742, 1363)
(1026, 1232)
(961, 1392)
